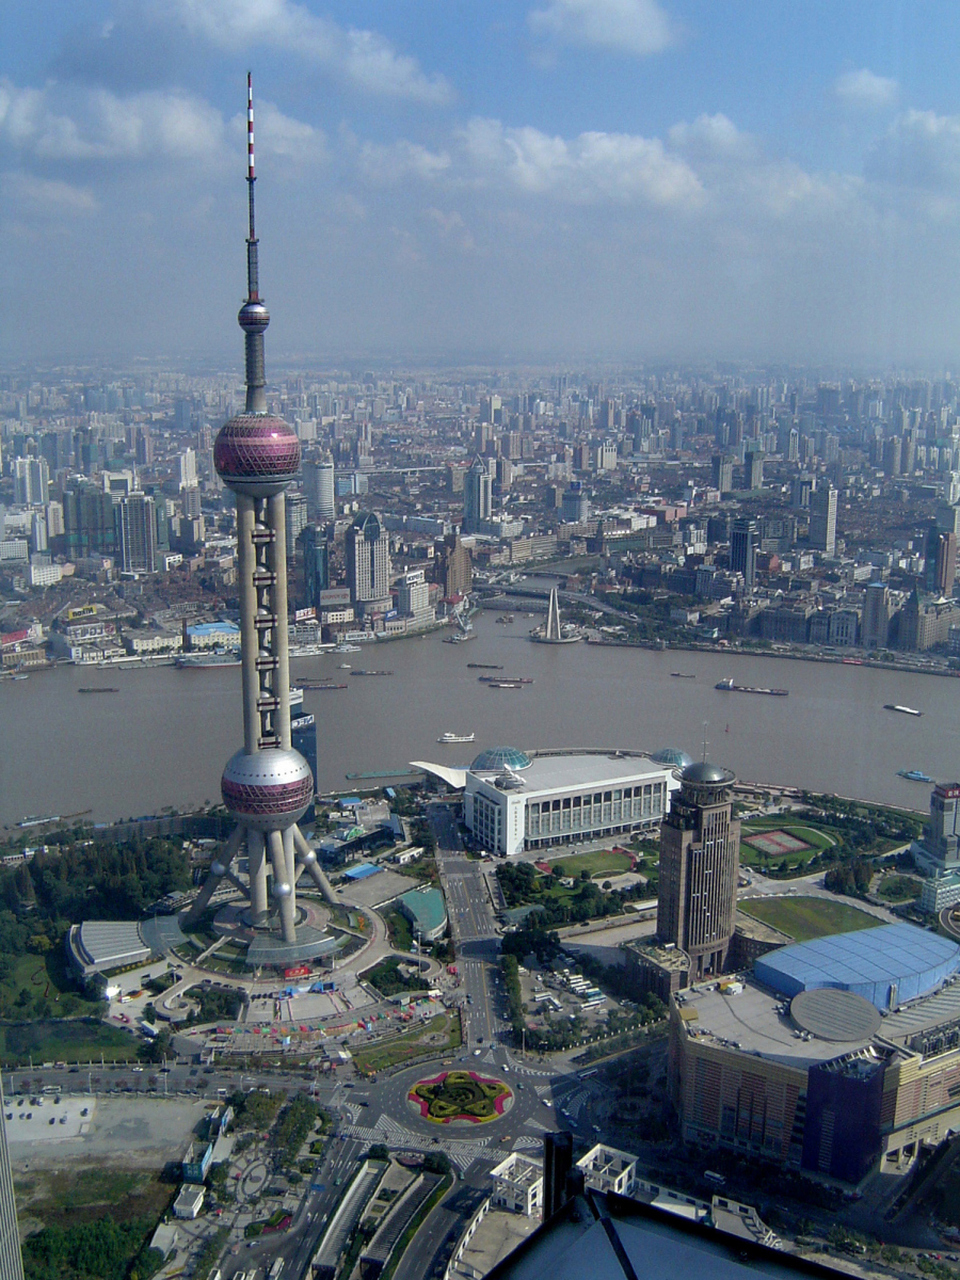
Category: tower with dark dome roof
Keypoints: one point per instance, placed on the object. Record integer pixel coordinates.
(266, 786)
(699, 869)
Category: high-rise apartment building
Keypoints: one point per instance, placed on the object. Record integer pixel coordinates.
(699, 867)
(137, 528)
(743, 549)
(295, 520)
(187, 469)
(823, 520)
(722, 472)
(368, 561)
(31, 481)
(456, 566)
(875, 624)
(477, 496)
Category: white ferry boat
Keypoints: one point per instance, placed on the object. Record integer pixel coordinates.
(449, 738)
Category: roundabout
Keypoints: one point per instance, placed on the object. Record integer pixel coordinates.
(460, 1098)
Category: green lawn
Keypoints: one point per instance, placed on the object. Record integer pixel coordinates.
(805, 918)
(64, 1041)
(440, 1035)
(601, 863)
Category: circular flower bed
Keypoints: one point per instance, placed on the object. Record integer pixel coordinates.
(460, 1096)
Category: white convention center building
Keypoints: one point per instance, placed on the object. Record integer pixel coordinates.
(514, 800)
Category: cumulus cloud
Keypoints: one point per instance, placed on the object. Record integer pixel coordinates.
(866, 91)
(920, 149)
(637, 27)
(590, 167)
(712, 138)
(47, 196)
(281, 135)
(399, 160)
(102, 126)
(364, 58)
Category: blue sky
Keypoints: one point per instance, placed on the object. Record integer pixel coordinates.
(552, 180)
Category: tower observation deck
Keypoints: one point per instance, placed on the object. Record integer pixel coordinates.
(267, 786)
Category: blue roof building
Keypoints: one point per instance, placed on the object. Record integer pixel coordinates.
(887, 965)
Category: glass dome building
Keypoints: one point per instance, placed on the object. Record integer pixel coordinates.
(496, 759)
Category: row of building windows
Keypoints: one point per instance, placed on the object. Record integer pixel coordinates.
(599, 809)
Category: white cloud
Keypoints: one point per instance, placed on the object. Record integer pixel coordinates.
(100, 125)
(712, 138)
(282, 135)
(47, 196)
(637, 27)
(364, 58)
(399, 160)
(866, 90)
(920, 149)
(593, 166)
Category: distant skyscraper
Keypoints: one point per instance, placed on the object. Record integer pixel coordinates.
(823, 520)
(137, 523)
(574, 504)
(477, 496)
(699, 868)
(187, 469)
(319, 485)
(368, 560)
(316, 566)
(940, 559)
(295, 516)
(457, 567)
(31, 481)
(743, 549)
(875, 624)
(753, 470)
(722, 472)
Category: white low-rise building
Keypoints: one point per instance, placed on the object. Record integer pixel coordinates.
(189, 1200)
(518, 1184)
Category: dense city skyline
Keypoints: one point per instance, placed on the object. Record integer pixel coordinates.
(620, 179)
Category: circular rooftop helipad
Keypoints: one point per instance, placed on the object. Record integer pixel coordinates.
(832, 1014)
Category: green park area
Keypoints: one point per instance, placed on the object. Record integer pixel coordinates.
(774, 843)
(438, 1036)
(805, 918)
(599, 863)
(898, 888)
(64, 1040)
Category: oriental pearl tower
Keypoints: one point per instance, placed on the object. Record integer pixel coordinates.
(266, 786)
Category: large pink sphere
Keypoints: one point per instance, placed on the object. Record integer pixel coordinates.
(269, 790)
(256, 454)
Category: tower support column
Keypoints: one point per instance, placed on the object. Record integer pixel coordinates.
(257, 867)
(282, 888)
(246, 564)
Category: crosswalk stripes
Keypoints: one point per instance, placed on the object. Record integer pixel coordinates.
(524, 1143)
(535, 1124)
(352, 1110)
(541, 1089)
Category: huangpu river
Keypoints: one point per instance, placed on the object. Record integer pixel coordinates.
(163, 739)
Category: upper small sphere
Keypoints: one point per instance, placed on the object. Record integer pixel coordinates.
(253, 317)
(256, 454)
(269, 790)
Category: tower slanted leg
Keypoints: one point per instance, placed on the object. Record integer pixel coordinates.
(218, 869)
(308, 859)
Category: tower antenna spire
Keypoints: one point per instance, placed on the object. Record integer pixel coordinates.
(253, 317)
